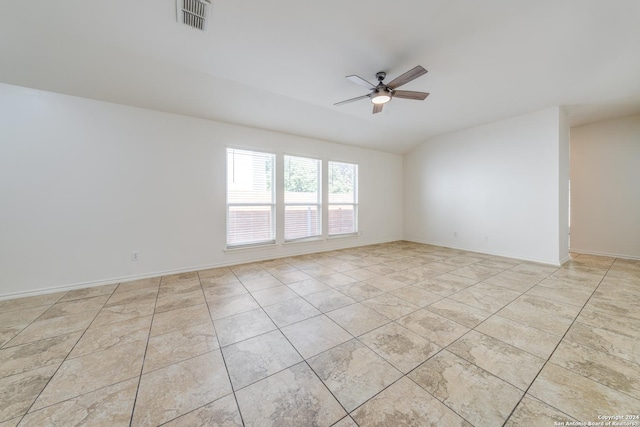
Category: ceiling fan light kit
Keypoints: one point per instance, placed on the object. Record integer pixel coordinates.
(382, 93)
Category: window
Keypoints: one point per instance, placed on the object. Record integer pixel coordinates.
(302, 198)
(343, 198)
(250, 197)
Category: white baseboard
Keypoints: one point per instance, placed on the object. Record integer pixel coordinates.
(123, 279)
(555, 263)
(607, 254)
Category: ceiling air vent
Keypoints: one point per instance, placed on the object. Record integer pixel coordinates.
(194, 13)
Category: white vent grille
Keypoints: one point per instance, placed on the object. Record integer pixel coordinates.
(194, 13)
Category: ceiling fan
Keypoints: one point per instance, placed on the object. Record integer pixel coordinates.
(382, 93)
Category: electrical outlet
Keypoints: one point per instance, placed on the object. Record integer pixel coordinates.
(135, 256)
(486, 238)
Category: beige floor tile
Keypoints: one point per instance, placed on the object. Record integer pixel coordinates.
(345, 422)
(107, 336)
(336, 280)
(34, 355)
(214, 293)
(120, 313)
(194, 382)
(360, 274)
(12, 322)
(18, 392)
(440, 266)
(56, 326)
(318, 271)
(406, 404)
(385, 283)
(475, 394)
(534, 341)
(274, 295)
(438, 292)
(259, 357)
(580, 397)
(315, 335)
(88, 292)
(477, 271)
(92, 305)
(92, 372)
(416, 296)
(180, 300)
(358, 319)
(293, 397)
(458, 312)
(381, 269)
(224, 307)
(607, 319)
(550, 316)
(508, 281)
(179, 319)
(10, 423)
(329, 300)
(399, 346)
(515, 366)
(390, 306)
(445, 284)
(221, 413)
(176, 346)
(221, 278)
(106, 407)
(239, 327)
(353, 373)
(249, 271)
(308, 287)
(291, 311)
(179, 277)
(630, 309)
(143, 294)
(360, 291)
(612, 371)
(30, 302)
(260, 283)
(486, 296)
(532, 412)
(291, 276)
(433, 327)
(149, 283)
(623, 343)
(179, 287)
(577, 297)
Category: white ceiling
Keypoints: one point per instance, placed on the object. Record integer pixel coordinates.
(280, 64)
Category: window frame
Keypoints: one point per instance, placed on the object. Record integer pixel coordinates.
(319, 200)
(272, 206)
(354, 203)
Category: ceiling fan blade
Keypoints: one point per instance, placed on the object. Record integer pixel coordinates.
(377, 108)
(351, 100)
(410, 94)
(414, 73)
(360, 81)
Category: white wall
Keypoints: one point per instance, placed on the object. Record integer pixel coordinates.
(605, 188)
(499, 181)
(83, 183)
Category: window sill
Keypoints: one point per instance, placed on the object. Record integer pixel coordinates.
(344, 236)
(232, 249)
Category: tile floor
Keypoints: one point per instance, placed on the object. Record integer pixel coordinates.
(384, 335)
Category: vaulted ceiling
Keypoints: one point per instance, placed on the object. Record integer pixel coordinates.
(280, 64)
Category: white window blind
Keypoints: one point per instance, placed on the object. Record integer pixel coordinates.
(302, 198)
(250, 197)
(343, 198)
